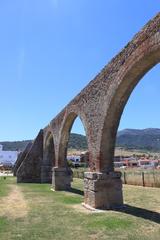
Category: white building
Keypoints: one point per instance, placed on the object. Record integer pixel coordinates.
(8, 157)
(74, 158)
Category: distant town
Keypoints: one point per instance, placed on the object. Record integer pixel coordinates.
(125, 155)
(7, 158)
(143, 161)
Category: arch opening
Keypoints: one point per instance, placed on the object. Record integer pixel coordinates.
(137, 143)
(73, 152)
(76, 142)
(77, 148)
(118, 102)
(48, 159)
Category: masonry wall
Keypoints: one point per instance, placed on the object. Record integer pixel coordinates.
(101, 103)
(30, 168)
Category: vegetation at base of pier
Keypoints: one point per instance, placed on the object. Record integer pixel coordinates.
(33, 211)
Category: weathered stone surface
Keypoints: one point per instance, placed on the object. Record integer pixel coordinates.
(46, 174)
(103, 193)
(99, 105)
(21, 157)
(90, 175)
(48, 158)
(30, 168)
(61, 178)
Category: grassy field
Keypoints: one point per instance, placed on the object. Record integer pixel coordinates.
(4, 188)
(34, 212)
(120, 152)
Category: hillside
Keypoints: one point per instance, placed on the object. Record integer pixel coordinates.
(148, 139)
(76, 141)
(16, 145)
(145, 139)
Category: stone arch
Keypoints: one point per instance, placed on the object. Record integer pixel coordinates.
(48, 158)
(99, 106)
(144, 58)
(64, 136)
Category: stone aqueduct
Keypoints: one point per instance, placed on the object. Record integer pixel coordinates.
(99, 106)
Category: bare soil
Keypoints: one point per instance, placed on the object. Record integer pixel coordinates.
(14, 205)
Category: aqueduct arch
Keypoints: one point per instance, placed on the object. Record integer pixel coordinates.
(137, 65)
(48, 158)
(62, 174)
(64, 136)
(100, 104)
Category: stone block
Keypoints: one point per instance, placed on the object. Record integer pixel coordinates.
(46, 174)
(90, 175)
(61, 179)
(103, 193)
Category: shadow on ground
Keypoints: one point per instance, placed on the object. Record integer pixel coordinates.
(77, 191)
(141, 212)
(131, 210)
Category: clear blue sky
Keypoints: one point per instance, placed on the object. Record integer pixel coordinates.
(49, 51)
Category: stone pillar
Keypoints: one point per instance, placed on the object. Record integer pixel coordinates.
(46, 174)
(103, 190)
(61, 178)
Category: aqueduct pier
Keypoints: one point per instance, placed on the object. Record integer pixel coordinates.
(99, 105)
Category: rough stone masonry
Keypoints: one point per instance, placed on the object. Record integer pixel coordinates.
(99, 105)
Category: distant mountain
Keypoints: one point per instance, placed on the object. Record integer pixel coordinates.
(76, 141)
(148, 139)
(15, 146)
(145, 139)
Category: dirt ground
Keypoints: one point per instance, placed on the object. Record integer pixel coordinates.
(14, 205)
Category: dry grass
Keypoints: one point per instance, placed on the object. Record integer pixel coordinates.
(57, 216)
(14, 205)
